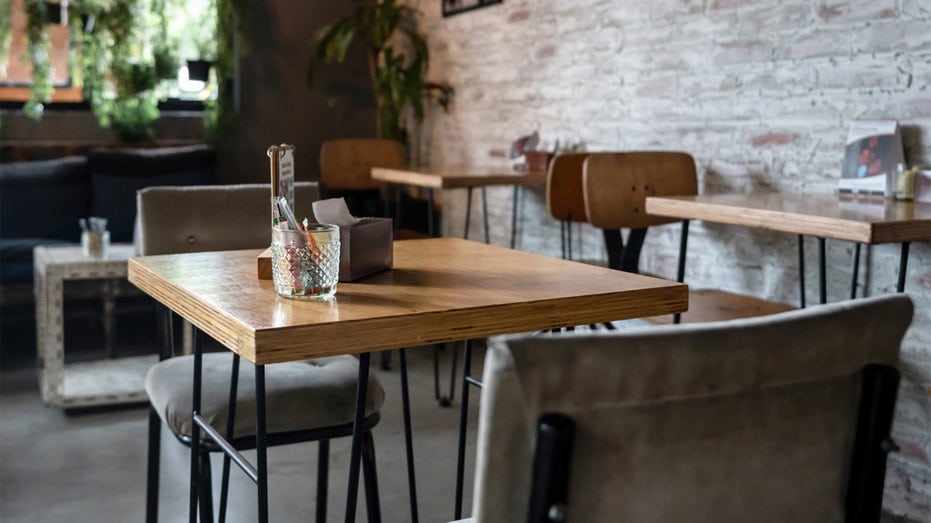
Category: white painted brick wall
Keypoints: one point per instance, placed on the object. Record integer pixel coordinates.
(760, 93)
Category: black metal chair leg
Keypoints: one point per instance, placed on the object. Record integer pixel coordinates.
(569, 239)
(408, 439)
(485, 215)
(444, 401)
(856, 270)
(630, 257)
(468, 216)
(431, 228)
(903, 267)
(261, 444)
(230, 425)
(372, 504)
(155, 437)
(323, 469)
(680, 272)
(205, 488)
(463, 422)
(822, 270)
(614, 245)
(514, 211)
(385, 360)
(562, 239)
(195, 428)
(355, 453)
(801, 270)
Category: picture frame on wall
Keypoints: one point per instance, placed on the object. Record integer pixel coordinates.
(455, 7)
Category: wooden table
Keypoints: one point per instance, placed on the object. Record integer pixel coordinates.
(439, 290)
(102, 382)
(458, 177)
(821, 215)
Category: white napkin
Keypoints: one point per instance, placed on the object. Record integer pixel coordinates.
(335, 212)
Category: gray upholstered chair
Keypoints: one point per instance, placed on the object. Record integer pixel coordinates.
(310, 400)
(778, 418)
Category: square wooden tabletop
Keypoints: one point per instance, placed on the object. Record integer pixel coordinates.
(451, 177)
(825, 215)
(440, 290)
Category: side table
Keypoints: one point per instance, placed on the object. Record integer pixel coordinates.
(103, 382)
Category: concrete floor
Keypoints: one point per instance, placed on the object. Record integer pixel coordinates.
(89, 466)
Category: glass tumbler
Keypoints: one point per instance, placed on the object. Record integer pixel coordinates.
(305, 264)
(95, 244)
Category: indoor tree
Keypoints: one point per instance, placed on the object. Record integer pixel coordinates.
(397, 56)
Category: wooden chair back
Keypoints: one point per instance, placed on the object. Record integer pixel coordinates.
(615, 186)
(347, 164)
(564, 199)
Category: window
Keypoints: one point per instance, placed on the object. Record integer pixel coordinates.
(187, 31)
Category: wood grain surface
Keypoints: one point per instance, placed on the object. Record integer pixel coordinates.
(347, 164)
(442, 289)
(824, 215)
(615, 186)
(452, 177)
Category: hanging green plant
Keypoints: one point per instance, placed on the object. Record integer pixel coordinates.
(38, 46)
(398, 60)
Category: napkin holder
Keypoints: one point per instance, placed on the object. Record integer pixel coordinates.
(364, 249)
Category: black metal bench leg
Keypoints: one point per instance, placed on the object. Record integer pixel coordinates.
(372, 504)
(323, 472)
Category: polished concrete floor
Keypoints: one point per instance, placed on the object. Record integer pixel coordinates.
(89, 466)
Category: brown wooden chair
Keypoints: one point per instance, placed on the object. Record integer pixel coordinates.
(346, 170)
(615, 188)
(564, 195)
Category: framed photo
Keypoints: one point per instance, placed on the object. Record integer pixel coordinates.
(454, 7)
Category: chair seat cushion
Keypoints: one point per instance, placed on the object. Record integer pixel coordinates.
(302, 395)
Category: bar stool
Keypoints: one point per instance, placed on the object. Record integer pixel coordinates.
(346, 167)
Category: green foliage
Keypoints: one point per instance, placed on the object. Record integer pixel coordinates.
(398, 60)
(37, 51)
(119, 62)
(6, 34)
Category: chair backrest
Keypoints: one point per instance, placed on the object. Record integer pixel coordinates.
(347, 164)
(564, 198)
(748, 420)
(211, 217)
(615, 186)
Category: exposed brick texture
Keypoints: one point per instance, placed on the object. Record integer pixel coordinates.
(760, 93)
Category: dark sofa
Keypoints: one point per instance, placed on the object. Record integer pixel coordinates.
(42, 201)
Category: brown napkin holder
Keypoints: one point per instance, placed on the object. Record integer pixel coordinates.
(364, 249)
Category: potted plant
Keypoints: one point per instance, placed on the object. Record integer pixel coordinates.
(198, 67)
(398, 60)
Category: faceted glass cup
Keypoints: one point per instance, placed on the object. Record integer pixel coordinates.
(305, 264)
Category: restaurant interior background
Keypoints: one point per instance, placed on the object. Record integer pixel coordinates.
(760, 93)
